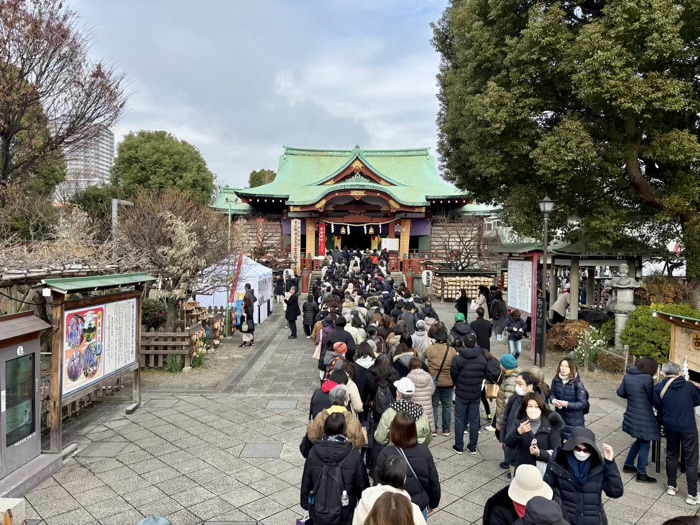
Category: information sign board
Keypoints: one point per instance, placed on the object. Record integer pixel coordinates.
(98, 341)
(520, 285)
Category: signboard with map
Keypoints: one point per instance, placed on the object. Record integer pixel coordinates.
(98, 341)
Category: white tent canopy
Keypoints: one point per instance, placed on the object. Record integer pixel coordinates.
(257, 275)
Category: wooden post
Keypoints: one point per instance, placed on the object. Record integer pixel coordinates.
(575, 280)
(136, 382)
(590, 286)
(56, 430)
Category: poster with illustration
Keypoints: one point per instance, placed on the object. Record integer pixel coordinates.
(83, 344)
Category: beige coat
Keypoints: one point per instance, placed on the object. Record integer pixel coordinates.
(434, 355)
(481, 301)
(354, 432)
(425, 388)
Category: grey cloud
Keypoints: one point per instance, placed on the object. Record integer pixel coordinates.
(241, 79)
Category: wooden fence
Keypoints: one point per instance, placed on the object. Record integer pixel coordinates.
(157, 347)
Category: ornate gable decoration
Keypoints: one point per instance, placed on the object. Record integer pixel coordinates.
(359, 177)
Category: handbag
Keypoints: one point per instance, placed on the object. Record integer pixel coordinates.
(435, 379)
(492, 390)
(244, 323)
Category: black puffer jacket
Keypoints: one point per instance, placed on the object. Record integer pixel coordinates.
(468, 372)
(309, 310)
(584, 505)
(459, 331)
(424, 491)
(548, 438)
(639, 421)
(499, 509)
(354, 473)
(279, 286)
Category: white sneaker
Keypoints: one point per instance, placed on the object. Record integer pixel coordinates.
(489, 428)
(671, 491)
(692, 500)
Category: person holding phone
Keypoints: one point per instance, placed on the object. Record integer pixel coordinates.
(580, 474)
(569, 397)
(537, 434)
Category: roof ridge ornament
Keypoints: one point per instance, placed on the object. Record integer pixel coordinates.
(357, 167)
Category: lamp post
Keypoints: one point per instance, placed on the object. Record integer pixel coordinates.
(546, 207)
(228, 272)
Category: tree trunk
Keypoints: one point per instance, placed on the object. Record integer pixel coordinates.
(171, 308)
(691, 242)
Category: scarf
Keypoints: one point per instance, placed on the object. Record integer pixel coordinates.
(579, 469)
(340, 438)
(519, 509)
(414, 409)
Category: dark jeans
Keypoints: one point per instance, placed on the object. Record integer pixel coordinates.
(443, 395)
(675, 441)
(641, 448)
(307, 329)
(557, 318)
(467, 411)
(293, 327)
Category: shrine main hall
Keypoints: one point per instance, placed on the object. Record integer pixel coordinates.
(322, 199)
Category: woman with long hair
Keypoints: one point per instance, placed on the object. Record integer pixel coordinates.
(390, 509)
(569, 397)
(482, 301)
(537, 434)
(422, 481)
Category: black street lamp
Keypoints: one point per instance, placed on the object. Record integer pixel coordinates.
(546, 207)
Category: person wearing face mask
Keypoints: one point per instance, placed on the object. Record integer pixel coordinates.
(569, 397)
(538, 432)
(580, 474)
(525, 383)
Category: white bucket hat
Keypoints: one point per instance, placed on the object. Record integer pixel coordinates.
(527, 483)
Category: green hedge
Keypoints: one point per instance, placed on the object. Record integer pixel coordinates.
(153, 313)
(649, 336)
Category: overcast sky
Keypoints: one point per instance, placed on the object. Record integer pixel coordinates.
(239, 79)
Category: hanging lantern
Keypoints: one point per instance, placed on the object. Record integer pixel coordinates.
(342, 230)
(380, 228)
(371, 230)
(365, 227)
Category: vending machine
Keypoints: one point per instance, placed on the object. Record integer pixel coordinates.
(20, 405)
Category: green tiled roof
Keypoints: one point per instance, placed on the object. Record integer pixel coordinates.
(237, 207)
(96, 282)
(412, 175)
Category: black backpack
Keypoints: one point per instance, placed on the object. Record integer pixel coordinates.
(383, 399)
(494, 311)
(328, 492)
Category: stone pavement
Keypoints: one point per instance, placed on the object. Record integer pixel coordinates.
(232, 455)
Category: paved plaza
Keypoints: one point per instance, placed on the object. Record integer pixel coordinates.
(230, 454)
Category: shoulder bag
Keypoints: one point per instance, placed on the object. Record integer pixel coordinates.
(410, 467)
(435, 379)
(244, 323)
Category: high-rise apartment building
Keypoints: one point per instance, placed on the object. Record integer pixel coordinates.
(88, 165)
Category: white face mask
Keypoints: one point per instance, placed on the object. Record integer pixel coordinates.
(519, 390)
(533, 413)
(581, 456)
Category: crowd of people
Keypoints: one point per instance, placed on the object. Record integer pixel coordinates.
(391, 374)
